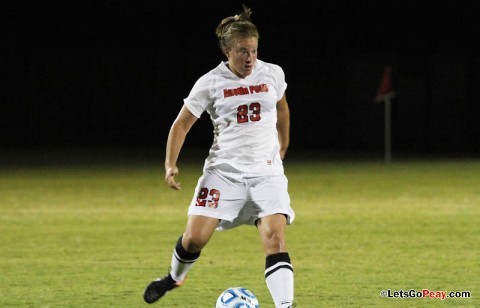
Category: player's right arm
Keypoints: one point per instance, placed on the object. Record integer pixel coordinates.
(176, 137)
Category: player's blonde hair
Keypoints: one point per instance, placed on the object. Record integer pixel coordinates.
(235, 27)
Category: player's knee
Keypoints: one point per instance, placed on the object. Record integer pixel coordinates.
(274, 242)
(192, 244)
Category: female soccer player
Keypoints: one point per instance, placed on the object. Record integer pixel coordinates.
(243, 179)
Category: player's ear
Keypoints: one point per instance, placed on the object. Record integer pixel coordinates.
(226, 52)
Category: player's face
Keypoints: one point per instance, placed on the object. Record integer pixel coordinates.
(242, 57)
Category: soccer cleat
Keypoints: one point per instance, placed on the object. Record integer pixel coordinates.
(157, 288)
(292, 304)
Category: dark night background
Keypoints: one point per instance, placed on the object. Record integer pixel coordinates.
(114, 73)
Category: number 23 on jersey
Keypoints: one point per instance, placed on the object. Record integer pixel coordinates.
(248, 113)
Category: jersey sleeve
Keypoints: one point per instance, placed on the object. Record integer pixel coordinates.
(280, 79)
(199, 97)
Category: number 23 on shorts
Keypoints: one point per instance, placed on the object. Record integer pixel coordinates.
(208, 197)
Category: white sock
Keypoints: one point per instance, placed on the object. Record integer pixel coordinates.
(279, 279)
(182, 261)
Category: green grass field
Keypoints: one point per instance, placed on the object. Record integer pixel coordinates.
(95, 234)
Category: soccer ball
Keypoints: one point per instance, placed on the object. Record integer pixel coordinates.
(237, 297)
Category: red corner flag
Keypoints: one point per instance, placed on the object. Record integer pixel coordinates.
(385, 90)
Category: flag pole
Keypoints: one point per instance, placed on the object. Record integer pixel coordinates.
(385, 93)
(388, 129)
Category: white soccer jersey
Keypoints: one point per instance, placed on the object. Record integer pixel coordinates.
(244, 117)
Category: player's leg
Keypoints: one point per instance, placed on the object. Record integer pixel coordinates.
(186, 252)
(270, 194)
(198, 232)
(278, 267)
(272, 233)
(215, 199)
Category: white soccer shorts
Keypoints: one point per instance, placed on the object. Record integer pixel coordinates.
(237, 200)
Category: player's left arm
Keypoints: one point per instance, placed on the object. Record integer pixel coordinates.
(283, 125)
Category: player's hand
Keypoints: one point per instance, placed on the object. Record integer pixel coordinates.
(170, 174)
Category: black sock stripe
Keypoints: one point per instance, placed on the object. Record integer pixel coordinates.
(183, 260)
(271, 260)
(287, 266)
(184, 256)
